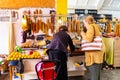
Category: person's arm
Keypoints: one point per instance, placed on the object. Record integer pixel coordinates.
(70, 42)
(88, 36)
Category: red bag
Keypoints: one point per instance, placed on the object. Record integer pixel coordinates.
(46, 70)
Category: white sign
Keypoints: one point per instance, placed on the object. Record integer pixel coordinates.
(5, 15)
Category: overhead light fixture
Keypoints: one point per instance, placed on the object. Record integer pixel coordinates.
(101, 15)
(86, 11)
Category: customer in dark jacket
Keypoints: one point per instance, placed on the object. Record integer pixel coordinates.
(57, 50)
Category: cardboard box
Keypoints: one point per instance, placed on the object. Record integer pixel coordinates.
(4, 66)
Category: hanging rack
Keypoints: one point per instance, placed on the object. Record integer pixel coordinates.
(49, 15)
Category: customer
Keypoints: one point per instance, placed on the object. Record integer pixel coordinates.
(58, 50)
(93, 59)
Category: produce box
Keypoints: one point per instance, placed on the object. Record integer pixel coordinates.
(4, 62)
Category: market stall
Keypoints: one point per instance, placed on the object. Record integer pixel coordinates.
(30, 25)
(41, 19)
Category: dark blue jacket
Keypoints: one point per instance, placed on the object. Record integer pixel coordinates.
(60, 41)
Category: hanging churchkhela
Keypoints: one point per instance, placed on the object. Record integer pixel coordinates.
(37, 26)
(73, 25)
(108, 25)
(40, 22)
(47, 25)
(78, 26)
(117, 29)
(69, 24)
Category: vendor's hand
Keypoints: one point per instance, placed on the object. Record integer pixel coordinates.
(70, 54)
(82, 32)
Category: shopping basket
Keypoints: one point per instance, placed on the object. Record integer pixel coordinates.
(46, 69)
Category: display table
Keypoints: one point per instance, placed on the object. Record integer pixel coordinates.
(30, 73)
(29, 65)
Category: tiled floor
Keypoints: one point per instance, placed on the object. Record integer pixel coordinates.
(111, 75)
(105, 75)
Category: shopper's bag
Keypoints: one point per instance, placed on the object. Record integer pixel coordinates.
(95, 45)
(20, 66)
(46, 70)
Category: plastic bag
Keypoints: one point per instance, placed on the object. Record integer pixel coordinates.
(20, 66)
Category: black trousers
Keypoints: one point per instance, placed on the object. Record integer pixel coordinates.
(60, 66)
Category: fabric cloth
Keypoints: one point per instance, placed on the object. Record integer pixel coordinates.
(94, 70)
(61, 67)
(109, 44)
(92, 57)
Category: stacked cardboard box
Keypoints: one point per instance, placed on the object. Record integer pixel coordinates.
(4, 66)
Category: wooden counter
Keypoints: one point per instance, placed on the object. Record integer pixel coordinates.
(77, 52)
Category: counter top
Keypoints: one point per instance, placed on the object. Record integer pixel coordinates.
(77, 52)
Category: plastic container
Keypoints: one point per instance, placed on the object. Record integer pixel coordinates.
(13, 63)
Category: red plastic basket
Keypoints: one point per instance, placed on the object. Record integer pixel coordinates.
(46, 70)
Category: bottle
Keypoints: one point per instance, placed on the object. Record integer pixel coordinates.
(2, 71)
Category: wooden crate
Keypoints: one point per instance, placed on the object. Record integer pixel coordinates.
(116, 62)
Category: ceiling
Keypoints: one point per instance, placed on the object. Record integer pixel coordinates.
(94, 4)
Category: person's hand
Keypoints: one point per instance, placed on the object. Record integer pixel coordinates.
(70, 54)
(82, 32)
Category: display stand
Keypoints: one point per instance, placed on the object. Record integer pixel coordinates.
(77, 56)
